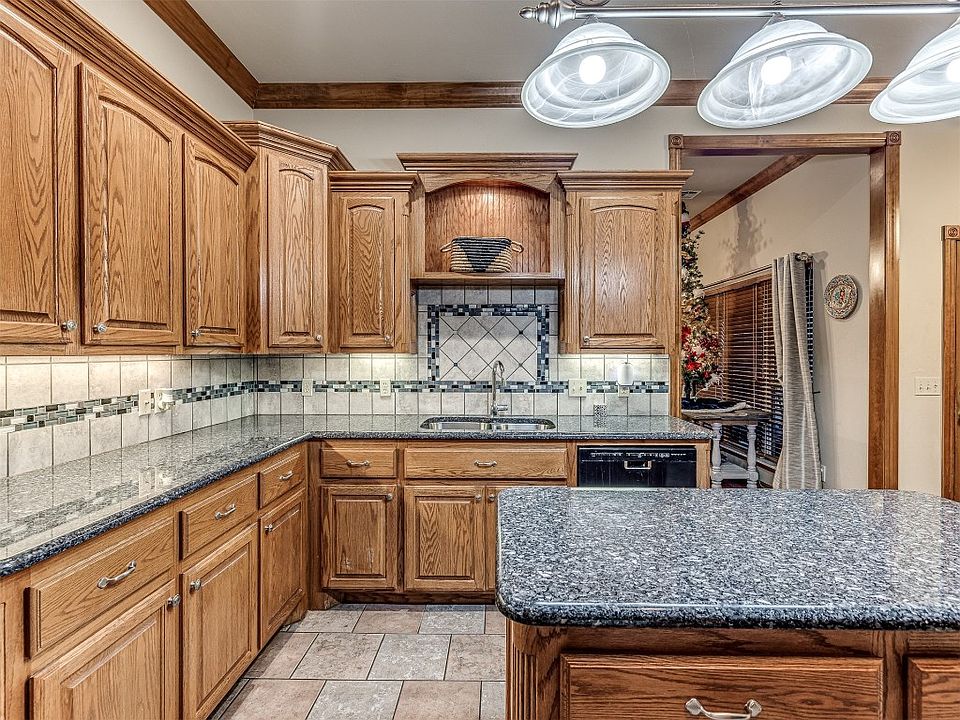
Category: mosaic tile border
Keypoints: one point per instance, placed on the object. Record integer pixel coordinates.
(540, 311)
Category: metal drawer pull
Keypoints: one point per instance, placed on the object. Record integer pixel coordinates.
(491, 497)
(752, 709)
(105, 582)
(196, 585)
(485, 463)
(358, 463)
(389, 497)
(627, 465)
(268, 528)
(174, 601)
(221, 514)
(478, 497)
(287, 475)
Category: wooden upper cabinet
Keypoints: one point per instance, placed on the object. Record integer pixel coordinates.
(297, 253)
(131, 218)
(127, 670)
(37, 188)
(214, 241)
(370, 229)
(623, 261)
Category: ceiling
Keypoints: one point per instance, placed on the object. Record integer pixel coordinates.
(718, 175)
(484, 40)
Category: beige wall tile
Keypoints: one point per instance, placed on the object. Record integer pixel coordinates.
(28, 385)
(104, 379)
(133, 377)
(29, 450)
(69, 382)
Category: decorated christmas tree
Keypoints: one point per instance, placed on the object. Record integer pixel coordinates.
(699, 342)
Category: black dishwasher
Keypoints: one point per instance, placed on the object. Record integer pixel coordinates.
(637, 466)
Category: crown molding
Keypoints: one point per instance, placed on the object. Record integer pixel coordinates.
(487, 162)
(263, 135)
(625, 180)
(361, 181)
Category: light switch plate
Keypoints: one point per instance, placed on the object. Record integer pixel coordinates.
(386, 389)
(145, 402)
(306, 387)
(577, 387)
(926, 385)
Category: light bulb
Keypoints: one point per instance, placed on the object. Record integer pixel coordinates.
(953, 71)
(776, 69)
(592, 69)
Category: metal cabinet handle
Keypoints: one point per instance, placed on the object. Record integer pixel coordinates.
(358, 463)
(287, 475)
(196, 333)
(485, 463)
(268, 528)
(586, 339)
(221, 514)
(387, 339)
(319, 338)
(196, 585)
(69, 326)
(752, 709)
(172, 602)
(478, 497)
(389, 497)
(491, 497)
(105, 582)
(100, 328)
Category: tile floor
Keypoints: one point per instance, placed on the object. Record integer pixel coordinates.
(378, 662)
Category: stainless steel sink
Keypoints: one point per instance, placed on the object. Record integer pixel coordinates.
(489, 424)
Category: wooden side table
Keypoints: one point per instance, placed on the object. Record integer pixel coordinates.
(747, 417)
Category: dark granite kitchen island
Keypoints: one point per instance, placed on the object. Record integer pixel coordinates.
(812, 605)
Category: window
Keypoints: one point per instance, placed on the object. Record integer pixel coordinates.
(741, 310)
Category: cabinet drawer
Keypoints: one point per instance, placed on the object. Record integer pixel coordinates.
(933, 688)
(281, 477)
(358, 460)
(90, 582)
(639, 687)
(208, 519)
(479, 460)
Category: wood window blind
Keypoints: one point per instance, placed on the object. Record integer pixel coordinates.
(741, 310)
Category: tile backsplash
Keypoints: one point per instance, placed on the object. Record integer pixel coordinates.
(55, 409)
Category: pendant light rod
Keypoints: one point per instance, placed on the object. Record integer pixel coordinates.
(557, 12)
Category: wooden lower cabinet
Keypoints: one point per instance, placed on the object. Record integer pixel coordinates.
(220, 614)
(283, 562)
(444, 538)
(359, 537)
(127, 671)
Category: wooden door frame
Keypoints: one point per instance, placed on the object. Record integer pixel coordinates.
(883, 149)
(950, 476)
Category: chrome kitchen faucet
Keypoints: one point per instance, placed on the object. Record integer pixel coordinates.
(496, 408)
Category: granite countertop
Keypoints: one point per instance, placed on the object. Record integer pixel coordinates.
(47, 511)
(829, 559)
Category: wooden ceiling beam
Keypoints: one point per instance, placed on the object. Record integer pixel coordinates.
(180, 16)
(769, 174)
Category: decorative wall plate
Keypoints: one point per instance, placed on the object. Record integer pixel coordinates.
(840, 296)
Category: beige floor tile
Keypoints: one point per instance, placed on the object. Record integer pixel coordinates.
(225, 703)
(281, 657)
(452, 620)
(341, 618)
(476, 657)
(274, 699)
(427, 700)
(357, 701)
(390, 619)
(411, 657)
(494, 622)
(493, 701)
(339, 656)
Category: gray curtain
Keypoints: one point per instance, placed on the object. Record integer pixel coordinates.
(799, 465)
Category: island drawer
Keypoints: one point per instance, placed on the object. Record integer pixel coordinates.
(485, 460)
(933, 688)
(88, 581)
(644, 687)
(282, 476)
(207, 519)
(358, 460)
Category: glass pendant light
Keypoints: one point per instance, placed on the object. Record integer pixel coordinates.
(597, 75)
(790, 68)
(929, 88)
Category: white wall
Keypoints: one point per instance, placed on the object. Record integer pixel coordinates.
(140, 28)
(821, 208)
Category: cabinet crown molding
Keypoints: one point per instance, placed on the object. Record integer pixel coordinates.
(486, 162)
(362, 181)
(263, 135)
(625, 180)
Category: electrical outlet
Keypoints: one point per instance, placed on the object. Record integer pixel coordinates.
(386, 389)
(926, 386)
(577, 387)
(306, 387)
(145, 402)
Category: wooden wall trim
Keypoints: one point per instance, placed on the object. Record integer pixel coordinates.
(486, 162)
(73, 27)
(789, 144)
(950, 478)
(263, 135)
(180, 16)
(364, 181)
(575, 181)
(768, 175)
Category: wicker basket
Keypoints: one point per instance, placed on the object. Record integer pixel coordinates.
(481, 254)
